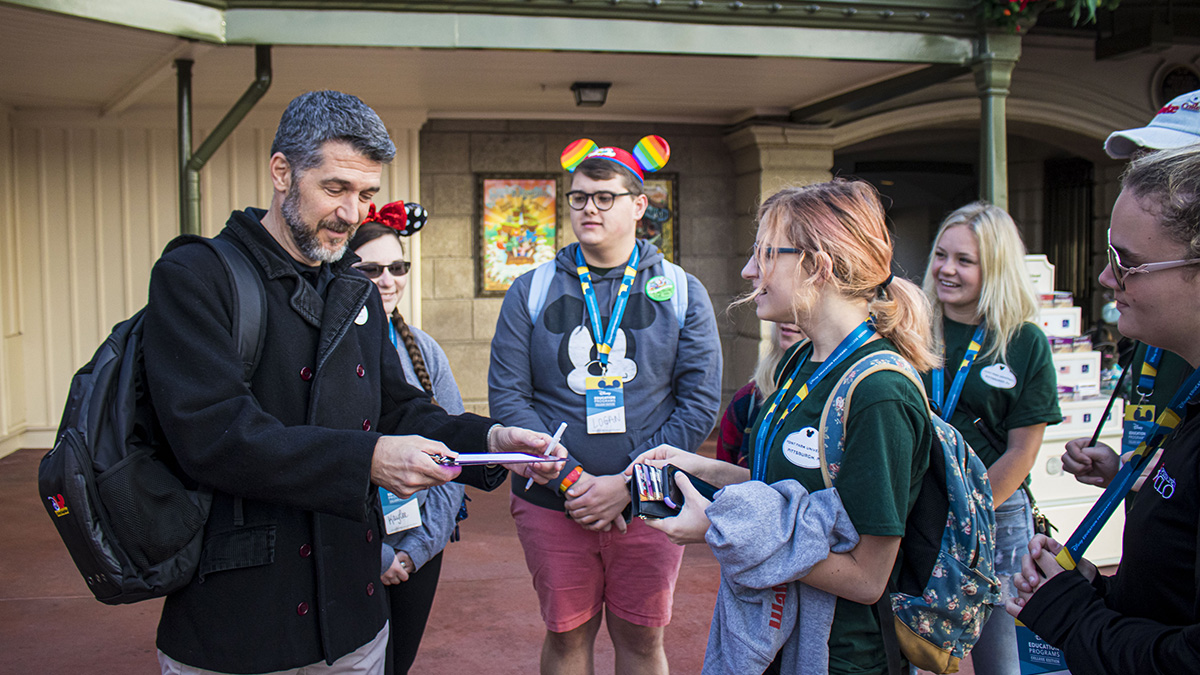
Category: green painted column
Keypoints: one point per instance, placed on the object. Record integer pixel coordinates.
(993, 66)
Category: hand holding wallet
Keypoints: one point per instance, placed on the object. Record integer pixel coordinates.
(653, 492)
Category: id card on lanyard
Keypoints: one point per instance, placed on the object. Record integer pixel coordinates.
(946, 403)
(769, 428)
(605, 396)
(1139, 416)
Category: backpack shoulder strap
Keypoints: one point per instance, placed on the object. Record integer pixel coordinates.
(831, 442)
(249, 297)
(538, 288)
(679, 300)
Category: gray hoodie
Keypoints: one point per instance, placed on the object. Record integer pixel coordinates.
(672, 377)
(766, 537)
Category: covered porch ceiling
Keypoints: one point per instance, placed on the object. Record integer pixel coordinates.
(468, 65)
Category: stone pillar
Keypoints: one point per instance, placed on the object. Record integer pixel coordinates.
(993, 65)
(765, 159)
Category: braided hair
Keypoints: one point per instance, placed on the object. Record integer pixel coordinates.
(370, 232)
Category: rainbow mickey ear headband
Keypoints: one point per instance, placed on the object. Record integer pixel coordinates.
(405, 219)
(650, 154)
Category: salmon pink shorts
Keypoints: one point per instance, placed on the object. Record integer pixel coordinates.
(576, 572)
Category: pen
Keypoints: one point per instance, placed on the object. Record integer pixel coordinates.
(549, 449)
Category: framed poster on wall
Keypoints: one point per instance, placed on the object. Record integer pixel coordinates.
(518, 227)
(659, 225)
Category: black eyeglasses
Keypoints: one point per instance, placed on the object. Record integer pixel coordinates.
(375, 270)
(772, 251)
(1120, 271)
(578, 199)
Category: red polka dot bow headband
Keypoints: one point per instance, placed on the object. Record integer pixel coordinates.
(403, 218)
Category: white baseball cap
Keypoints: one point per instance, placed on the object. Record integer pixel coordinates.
(1176, 125)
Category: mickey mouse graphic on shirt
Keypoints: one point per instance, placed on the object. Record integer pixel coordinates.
(577, 359)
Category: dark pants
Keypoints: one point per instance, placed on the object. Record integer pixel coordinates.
(410, 602)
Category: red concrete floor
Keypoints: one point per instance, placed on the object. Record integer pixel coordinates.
(485, 619)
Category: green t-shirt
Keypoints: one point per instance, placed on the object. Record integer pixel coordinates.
(1006, 396)
(888, 438)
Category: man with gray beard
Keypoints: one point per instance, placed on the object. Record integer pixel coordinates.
(289, 573)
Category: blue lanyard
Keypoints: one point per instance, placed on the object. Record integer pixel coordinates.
(1145, 385)
(593, 307)
(946, 407)
(763, 442)
(1170, 418)
(392, 334)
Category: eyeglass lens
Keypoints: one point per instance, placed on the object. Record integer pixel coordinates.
(375, 270)
(1118, 270)
(603, 200)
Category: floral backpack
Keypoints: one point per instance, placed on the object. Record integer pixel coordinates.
(947, 584)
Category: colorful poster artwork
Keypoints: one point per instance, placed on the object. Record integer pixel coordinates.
(658, 225)
(519, 229)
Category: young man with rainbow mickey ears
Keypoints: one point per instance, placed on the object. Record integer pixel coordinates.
(622, 345)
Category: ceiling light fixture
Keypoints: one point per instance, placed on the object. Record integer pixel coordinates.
(592, 94)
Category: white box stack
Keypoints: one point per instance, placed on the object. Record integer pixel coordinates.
(1060, 497)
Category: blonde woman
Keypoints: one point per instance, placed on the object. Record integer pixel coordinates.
(822, 260)
(998, 384)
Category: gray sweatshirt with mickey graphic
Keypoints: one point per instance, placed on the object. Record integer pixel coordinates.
(671, 374)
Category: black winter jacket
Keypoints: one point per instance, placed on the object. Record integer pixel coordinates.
(1144, 620)
(289, 573)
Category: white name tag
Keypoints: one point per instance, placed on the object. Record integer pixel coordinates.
(800, 448)
(399, 514)
(999, 376)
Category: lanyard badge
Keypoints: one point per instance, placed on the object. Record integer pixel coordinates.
(947, 403)
(768, 429)
(1139, 417)
(605, 396)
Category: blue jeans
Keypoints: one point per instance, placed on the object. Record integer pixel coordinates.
(996, 651)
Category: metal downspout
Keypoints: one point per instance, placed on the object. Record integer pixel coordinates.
(183, 125)
(190, 162)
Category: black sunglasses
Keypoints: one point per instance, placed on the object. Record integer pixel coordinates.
(375, 270)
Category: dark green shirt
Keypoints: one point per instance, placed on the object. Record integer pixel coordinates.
(1006, 396)
(888, 438)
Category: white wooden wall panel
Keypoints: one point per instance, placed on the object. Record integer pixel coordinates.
(86, 207)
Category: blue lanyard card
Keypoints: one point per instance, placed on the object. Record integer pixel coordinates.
(399, 514)
(605, 405)
(1037, 656)
(1139, 420)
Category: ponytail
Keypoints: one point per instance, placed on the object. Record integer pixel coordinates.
(901, 313)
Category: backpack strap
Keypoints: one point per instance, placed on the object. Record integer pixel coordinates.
(831, 442)
(248, 315)
(679, 299)
(249, 297)
(250, 304)
(538, 288)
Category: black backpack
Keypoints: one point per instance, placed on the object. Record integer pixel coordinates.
(132, 521)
